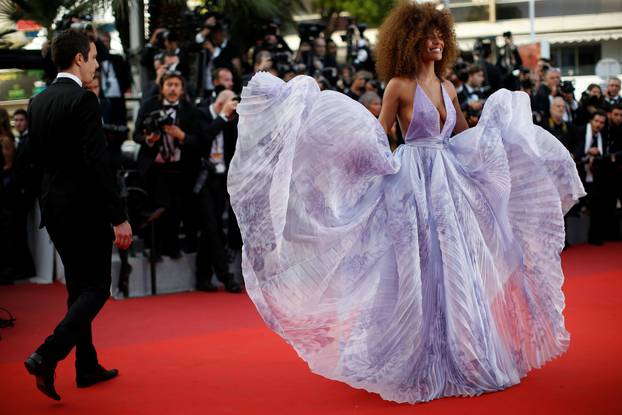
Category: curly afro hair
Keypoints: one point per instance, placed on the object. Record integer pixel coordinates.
(402, 34)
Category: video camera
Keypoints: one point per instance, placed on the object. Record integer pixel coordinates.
(156, 120)
(567, 87)
(68, 21)
(115, 135)
(309, 31)
(351, 30)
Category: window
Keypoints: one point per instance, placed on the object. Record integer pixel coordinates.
(577, 59)
(519, 9)
(470, 11)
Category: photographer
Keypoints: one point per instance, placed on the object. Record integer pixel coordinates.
(358, 48)
(546, 92)
(116, 80)
(222, 79)
(591, 101)
(116, 133)
(163, 63)
(217, 148)
(510, 63)
(612, 94)
(555, 123)
(320, 59)
(589, 145)
(162, 40)
(281, 56)
(168, 129)
(613, 136)
(359, 84)
(570, 103)
(261, 62)
(16, 200)
(482, 55)
(218, 52)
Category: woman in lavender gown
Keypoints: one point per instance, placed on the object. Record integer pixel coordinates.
(430, 272)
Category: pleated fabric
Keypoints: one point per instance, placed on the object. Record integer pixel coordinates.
(429, 272)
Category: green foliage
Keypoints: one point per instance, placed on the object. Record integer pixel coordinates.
(371, 12)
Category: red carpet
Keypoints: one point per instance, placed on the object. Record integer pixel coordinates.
(201, 353)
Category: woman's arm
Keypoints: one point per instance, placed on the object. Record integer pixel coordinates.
(461, 123)
(390, 104)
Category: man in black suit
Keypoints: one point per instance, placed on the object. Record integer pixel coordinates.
(23, 180)
(79, 202)
(168, 159)
(589, 148)
(217, 148)
(546, 92)
(471, 96)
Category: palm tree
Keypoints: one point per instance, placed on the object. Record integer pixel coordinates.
(246, 16)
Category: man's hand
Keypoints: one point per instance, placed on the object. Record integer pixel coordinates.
(229, 108)
(209, 46)
(123, 235)
(175, 132)
(154, 36)
(151, 137)
(593, 151)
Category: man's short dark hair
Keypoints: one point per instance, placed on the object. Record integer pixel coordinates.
(20, 111)
(170, 75)
(617, 106)
(66, 45)
(598, 112)
(217, 71)
(473, 69)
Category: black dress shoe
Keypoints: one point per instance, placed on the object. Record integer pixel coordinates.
(44, 373)
(207, 287)
(100, 375)
(232, 286)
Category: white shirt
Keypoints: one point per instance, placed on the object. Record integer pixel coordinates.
(209, 84)
(110, 83)
(70, 76)
(168, 142)
(217, 153)
(589, 178)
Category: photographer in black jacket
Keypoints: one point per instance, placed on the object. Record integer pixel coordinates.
(168, 128)
(217, 148)
(590, 148)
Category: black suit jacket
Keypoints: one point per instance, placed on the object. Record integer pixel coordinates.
(68, 150)
(188, 119)
(212, 129)
(577, 141)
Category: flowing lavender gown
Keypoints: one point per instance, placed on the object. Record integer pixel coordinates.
(433, 271)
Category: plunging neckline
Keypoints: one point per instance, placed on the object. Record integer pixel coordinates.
(440, 129)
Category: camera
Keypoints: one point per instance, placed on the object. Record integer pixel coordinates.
(567, 87)
(155, 120)
(310, 31)
(115, 135)
(161, 37)
(350, 31)
(82, 26)
(68, 21)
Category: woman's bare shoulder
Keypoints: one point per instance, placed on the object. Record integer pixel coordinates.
(400, 86)
(401, 81)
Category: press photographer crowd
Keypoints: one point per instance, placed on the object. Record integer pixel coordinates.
(175, 188)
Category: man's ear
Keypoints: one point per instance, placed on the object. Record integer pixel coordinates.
(78, 59)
